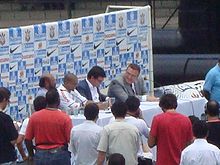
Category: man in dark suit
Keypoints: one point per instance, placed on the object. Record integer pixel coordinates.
(89, 86)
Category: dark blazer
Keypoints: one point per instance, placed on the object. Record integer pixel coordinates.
(83, 89)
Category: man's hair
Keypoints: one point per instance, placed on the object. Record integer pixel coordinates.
(212, 108)
(96, 72)
(200, 129)
(39, 103)
(69, 77)
(5, 94)
(52, 97)
(44, 79)
(91, 111)
(132, 103)
(119, 109)
(135, 67)
(116, 159)
(193, 119)
(168, 101)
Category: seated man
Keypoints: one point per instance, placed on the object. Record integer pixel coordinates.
(129, 84)
(89, 86)
(70, 98)
(46, 82)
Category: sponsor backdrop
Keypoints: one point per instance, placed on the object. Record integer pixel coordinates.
(111, 40)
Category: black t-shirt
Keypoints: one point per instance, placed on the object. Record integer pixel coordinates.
(7, 134)
(214, 133)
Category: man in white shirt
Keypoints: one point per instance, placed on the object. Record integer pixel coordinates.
(70, 98)
(85, 137)
(200, 152)
(119, 137)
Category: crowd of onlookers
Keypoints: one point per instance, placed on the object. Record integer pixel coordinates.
(51, 138)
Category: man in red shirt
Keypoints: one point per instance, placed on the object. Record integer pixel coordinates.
(51, 129)
(171, 132)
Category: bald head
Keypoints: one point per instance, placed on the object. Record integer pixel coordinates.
(212, 108)
(70, 81)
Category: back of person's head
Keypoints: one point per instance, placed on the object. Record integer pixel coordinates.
(119, 109)
(5, 94)
(39, 103)
(69, 77)
(134, 67)
(168, 101)
(193, 119)
(212, 108)
(52, 97)
(91, 111)
(200, 129)
(47, 81)
(132, 103)
(96, 72)
(116, 159)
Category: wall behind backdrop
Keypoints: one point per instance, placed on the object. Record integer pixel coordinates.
(111, 40)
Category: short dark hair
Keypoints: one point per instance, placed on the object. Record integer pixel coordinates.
(200, 129)
(96, 72)
(91, 111)
(116, 159)
(119, 109)
(132, 103)
(52, 97)
(135, 67)
(212, 108)
(193, 119)
(39, 103)
(42, 81)
(168, 101)
(5, 94)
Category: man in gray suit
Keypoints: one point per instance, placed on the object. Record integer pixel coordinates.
(129, 84)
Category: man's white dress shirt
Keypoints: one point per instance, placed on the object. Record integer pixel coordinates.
(94, 91)
(200, 152)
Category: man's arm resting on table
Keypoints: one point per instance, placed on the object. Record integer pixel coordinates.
(152, 141)
(101, 158)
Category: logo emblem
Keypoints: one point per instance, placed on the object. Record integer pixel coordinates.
(2, 39)
(142, 21)
(120, 22)
(27, 35)
(75, 28)
(12, 50)
(52, 31)
(98, 25)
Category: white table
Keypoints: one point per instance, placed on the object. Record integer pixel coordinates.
(150, 109)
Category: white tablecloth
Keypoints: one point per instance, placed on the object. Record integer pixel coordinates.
(150, 109)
